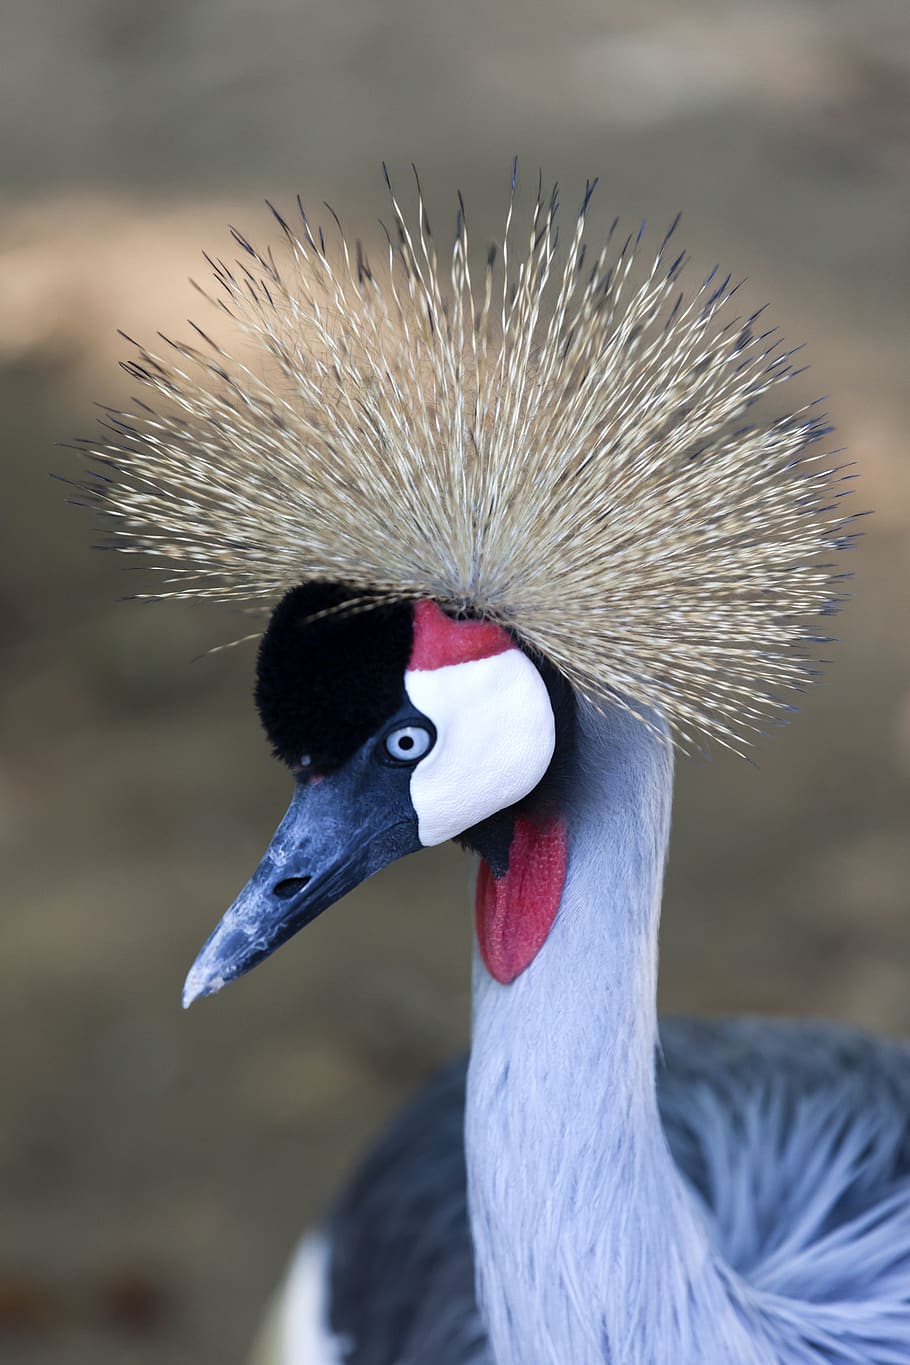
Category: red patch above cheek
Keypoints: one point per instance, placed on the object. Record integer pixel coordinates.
(514, 913)
(440, 641)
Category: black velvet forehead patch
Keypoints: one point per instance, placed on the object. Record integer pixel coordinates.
(325, 685)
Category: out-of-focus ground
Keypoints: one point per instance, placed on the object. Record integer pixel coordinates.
(157, 1166)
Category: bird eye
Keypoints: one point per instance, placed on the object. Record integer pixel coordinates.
(408, 743)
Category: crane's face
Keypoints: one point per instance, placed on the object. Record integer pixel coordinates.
(403, 728)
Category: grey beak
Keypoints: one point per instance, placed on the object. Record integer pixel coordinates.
(338, 831)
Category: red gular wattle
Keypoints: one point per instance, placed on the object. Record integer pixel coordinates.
(515, 911)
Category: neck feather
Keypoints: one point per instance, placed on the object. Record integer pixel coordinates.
(588, 1245)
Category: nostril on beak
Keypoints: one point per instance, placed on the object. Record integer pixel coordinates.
(289, 887)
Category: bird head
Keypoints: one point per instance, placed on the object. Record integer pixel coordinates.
(403, 727)
(576, 457)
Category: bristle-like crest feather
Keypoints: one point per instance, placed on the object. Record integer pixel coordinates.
(581, 462)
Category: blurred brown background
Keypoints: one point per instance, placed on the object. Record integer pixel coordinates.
(157, 1166)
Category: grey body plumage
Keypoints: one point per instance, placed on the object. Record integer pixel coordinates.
(757, 1114)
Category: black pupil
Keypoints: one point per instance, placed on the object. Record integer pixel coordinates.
(406, 742)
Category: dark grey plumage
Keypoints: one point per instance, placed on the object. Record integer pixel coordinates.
(402, 1263)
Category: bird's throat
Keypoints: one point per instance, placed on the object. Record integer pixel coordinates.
(515, 910)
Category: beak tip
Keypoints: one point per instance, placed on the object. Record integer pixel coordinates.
(199, 984)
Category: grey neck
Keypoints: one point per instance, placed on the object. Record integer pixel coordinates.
(589, 1247)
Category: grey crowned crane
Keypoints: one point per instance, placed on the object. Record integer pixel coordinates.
(521, 540)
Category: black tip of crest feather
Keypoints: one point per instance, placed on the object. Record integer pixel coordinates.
(676, 267)
(335, 216)
(242, 241)
(669, 233)
(364, 273)
(278, 218)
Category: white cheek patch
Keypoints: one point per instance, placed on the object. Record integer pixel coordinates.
(495, 739)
